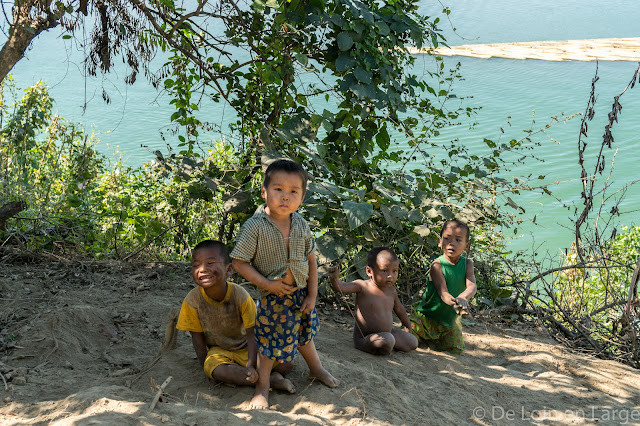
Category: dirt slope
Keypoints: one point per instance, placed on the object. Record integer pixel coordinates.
(78, 345)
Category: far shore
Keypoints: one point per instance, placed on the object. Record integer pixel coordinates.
(603, 49)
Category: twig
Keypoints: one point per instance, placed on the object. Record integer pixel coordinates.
(146, 369)
(52, 324)
(5, 381)
(144, 246)
(159, 393)
(633, 286)
(364, 408)
(608, 306)
(170, 333)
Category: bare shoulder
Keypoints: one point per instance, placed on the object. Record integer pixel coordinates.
(469, 263)
(365, 284)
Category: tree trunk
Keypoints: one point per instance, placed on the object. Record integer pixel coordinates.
(9, 210)
(23, 30)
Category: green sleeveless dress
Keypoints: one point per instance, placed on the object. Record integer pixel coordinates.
(431, 305)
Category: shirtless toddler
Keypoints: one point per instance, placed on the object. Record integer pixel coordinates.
(376, 300)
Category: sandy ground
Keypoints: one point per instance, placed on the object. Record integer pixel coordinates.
(606, 49)
(79, 345)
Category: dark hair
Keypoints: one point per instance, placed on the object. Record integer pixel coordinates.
(285, 165)
(222, 249)
(459, 224)
(372, 257)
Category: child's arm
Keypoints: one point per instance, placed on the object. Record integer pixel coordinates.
(465, 296)
(251, 274)
(252, 362)
(199, 345)
(441, 284)
(341, 286)
(309, 302)
(401, 313)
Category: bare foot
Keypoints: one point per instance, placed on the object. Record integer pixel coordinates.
(280, 383)
(325, 377)
(260, 399)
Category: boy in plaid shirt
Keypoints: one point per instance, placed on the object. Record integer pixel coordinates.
(276, 251)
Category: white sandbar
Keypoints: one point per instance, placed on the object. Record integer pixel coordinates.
(603, 49)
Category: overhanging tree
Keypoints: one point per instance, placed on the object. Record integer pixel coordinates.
(332, 85)
(329, 83)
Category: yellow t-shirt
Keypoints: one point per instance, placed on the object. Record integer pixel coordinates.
(223, 323)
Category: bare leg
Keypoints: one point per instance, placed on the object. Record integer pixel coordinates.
(260, 399)
(374, 343)
(232, 374)
(316, 370)
(283, 368)
(405, 342)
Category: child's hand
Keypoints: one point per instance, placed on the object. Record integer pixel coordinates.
(252, 375)
(280, 289)
(334, 272)
(462, 302)
(461, 306)
(308, 303)
(448, 299)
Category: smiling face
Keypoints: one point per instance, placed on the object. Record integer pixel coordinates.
(385, 272)
(209, 269)
(283, 194)
(454, 241)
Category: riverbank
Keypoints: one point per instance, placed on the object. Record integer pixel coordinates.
(604, 49)
(80, 346)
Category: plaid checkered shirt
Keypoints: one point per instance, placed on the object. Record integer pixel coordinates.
(261, 244)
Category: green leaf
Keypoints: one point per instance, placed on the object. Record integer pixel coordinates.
(422, 230)
(365, 12)
(383, 28)
(323, 188)
(399, 211)
(513, 204)
(298, 127)
(331, 247)
(490, 143)
(237, 202)
(362, 75)
(337, 20)
(344, 41)
(500, 292)
(364, 91)
(344, 62)
(391, 221)
(209, 183)
(302, 59)
(74, 201)
(357, 213)
(382, 139)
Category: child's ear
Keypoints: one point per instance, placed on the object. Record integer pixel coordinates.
(369, 271)
(263, 192)
(230, 269)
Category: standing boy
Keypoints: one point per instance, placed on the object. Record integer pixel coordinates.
(450, 286)
(276, 251)
(221, 316)
(376, 300)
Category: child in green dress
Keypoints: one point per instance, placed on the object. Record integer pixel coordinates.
(451, 283)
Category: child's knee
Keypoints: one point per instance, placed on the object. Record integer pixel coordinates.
(410, 343)
(381, 343)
